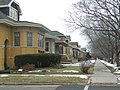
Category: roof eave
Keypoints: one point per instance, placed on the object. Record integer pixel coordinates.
(51, 37)
(1, 6)
(24, 24)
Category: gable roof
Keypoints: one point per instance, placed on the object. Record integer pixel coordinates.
(56, 33)
(5, 2)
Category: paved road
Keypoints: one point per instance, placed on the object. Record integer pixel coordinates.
(28, 87)
(57, 87)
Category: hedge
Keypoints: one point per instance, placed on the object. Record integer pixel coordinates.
(39, 60)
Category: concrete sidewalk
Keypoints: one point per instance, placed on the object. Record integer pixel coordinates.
(102, 74)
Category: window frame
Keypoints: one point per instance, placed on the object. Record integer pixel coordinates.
(17, 39)
(48, 47)
(13, 13)
(40, 40)
(29, 39)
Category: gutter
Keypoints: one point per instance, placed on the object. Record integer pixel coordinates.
(24, 24)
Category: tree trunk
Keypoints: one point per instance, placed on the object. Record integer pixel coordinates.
(117, 60)
(117, 52)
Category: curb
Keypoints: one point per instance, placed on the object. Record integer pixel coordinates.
(44, 84)
(105, 84)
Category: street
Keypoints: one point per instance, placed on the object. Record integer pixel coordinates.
(57, 87)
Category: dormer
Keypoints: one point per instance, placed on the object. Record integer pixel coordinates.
(11, 9)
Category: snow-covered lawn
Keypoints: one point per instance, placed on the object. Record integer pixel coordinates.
(51, 75)
(117, 71)
(108, 64)
(73, 71)
(75, 64)
(78, 64)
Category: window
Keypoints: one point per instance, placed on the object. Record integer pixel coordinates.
(13, 13)
(16, 38)
(40, 40)
(47, 46)
(29, 38)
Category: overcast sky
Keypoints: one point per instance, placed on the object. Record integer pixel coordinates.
(51, 14)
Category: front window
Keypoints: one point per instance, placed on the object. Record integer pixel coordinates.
(29, 38)
(47, 46)
(40, 40)
(13, 13)
(16, 38)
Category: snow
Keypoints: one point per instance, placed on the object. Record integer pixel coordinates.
(4, 75)
(80, 76)
(39, 71)
(75, 64)
(78, 64)
(20, 70)
(92, 61)
(74, 71)
(117, 71)
(108, 64)
(51, 75)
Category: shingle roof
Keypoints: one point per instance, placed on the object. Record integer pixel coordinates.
(56, 33)
(51, 36)
(5, 2)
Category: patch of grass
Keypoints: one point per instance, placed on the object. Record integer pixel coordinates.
(40, 79)
(53, 70)
(56, 70)
(111, 69)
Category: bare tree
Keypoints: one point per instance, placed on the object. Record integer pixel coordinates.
(94, 16)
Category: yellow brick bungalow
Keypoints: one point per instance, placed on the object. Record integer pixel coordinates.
(18, 37)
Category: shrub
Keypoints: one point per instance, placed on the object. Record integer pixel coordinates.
(85, 69)
(28, 67)
(86, 66)
(39, 60)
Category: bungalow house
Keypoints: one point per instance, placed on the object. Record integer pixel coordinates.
(63, 47)
(76, 50)
(60, 45)
(69, 49)
(18, 37)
